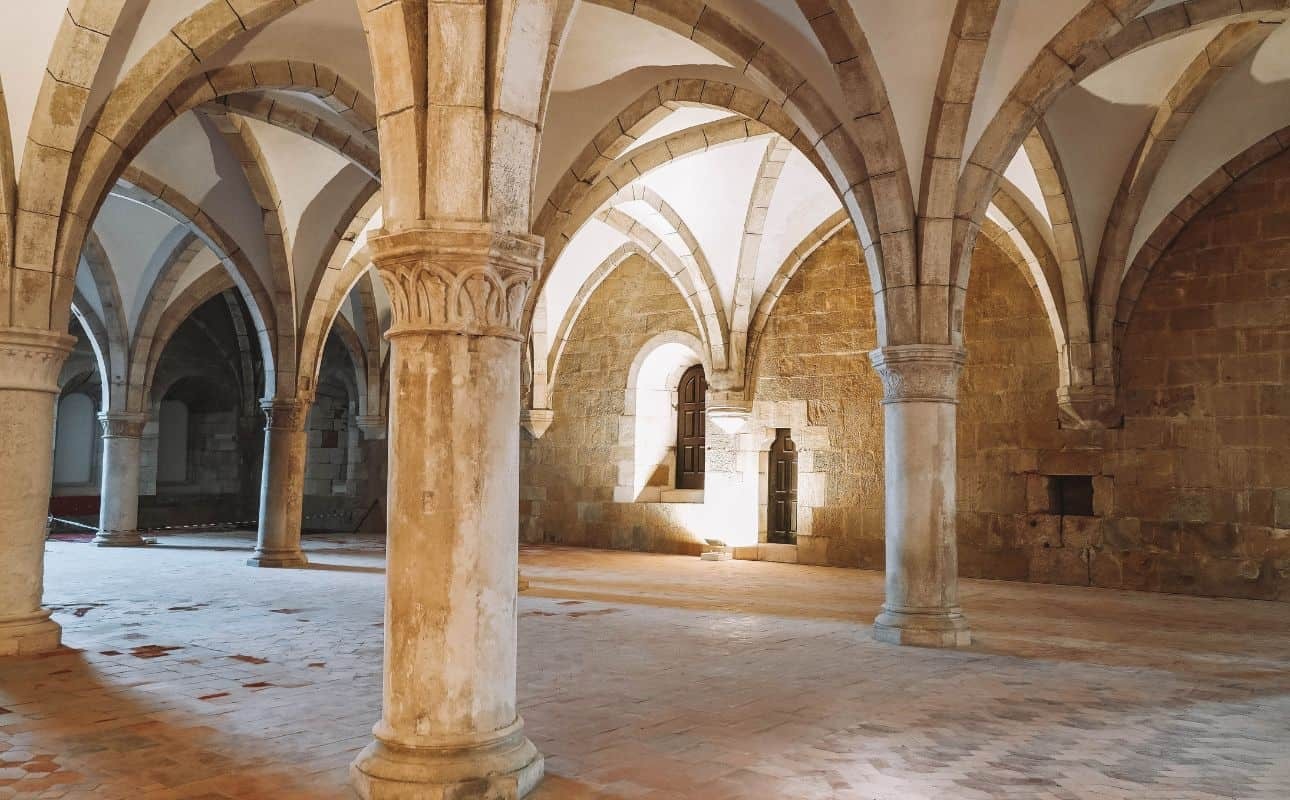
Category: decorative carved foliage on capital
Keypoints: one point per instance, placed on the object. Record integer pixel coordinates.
(458, 278)
(121, 425)
(286, 415)
(31, 359)
(917, 373)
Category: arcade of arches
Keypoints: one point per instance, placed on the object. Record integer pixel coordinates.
(455, 298)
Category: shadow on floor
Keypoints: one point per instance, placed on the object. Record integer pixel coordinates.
(345, 568)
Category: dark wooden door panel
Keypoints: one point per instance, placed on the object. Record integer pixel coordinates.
(690, 428)
(781, 505)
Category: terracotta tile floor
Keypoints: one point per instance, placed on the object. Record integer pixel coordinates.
(192, 676)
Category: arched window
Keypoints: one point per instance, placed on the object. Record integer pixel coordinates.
(649, 457)
(690, 439)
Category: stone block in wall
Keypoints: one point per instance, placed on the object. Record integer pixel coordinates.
(1081, 532)
(1060, 565)
(812, 437)
(317, 486)
(1121, 534)
(1281, 508)
(1208, 539)
(1040, 531)
(1070, 462)
(805, 519)
(812, 489)
(1103, 496)
(1039, 498)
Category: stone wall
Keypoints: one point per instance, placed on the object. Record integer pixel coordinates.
(814, 378)
(1191, 495)
(567, 477)
(1204, 458)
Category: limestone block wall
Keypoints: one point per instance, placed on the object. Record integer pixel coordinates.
(212, 456)
(814, 377)
(327, 460)
(567, 477)
(332, 500)
(1190, 495)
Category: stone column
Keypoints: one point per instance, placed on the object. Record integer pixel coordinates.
(282, 484)
(449, 727)
(29, 365)
(119, 492)
(920, 405)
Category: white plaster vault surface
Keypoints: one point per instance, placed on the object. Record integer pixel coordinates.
(646, 676)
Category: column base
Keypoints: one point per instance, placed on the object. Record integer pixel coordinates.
(505, 769)
(29, 634)
(103, 539)
(278, 559)
(939, 627)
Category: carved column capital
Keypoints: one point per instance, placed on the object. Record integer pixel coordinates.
(122, 424)
(456, 278)
(919, 373)
(31, 359)
(286, 414)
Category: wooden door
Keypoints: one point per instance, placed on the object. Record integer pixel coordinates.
(690, 424)
(781, 506)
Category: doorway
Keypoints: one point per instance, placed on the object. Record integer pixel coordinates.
(781, 505)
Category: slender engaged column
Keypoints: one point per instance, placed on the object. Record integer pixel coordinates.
(119, 492)
(920, 405)
(449, 727)
(282, 484)
(29, 365)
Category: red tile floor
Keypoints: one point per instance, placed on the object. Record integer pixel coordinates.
(188, 675)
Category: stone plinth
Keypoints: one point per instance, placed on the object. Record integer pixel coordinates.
(920, 403)
(29, 365)
(449, 727)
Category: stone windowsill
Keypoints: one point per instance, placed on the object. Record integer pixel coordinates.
(658, 495)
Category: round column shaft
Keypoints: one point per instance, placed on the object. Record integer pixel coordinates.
(119, 492)
(920, 405)
(282, 484)
(29, 365)
(449, 727)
